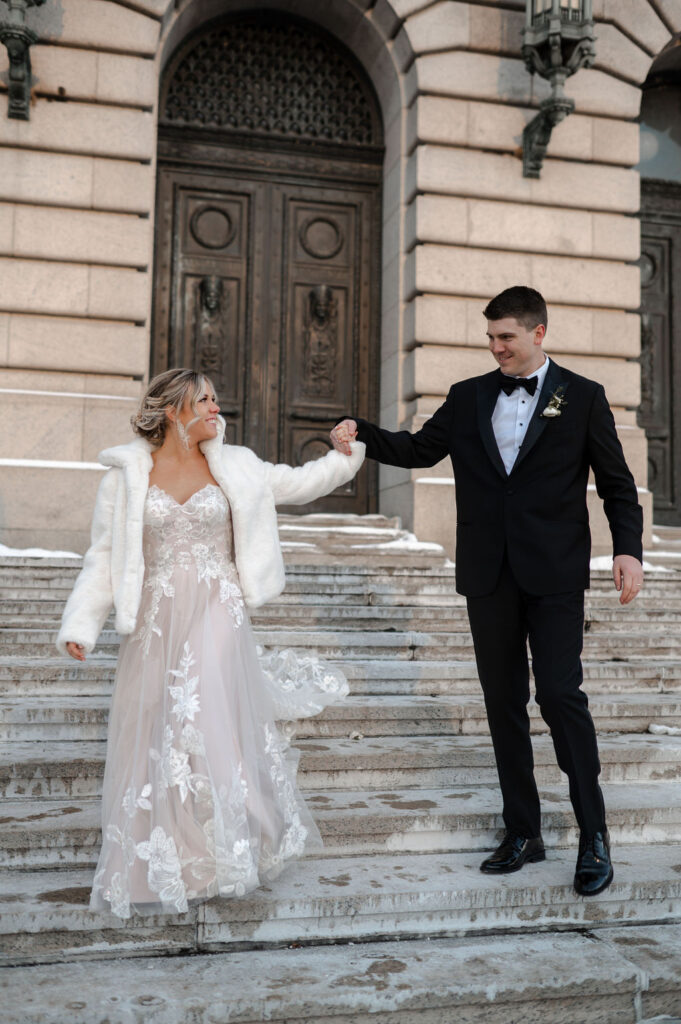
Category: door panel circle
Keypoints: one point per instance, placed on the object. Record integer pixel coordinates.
(321, 237)
(212, 227)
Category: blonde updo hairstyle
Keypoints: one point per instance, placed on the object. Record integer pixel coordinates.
(171, 388)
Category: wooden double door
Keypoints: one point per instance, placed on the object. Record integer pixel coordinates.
(267, 280)
(660, 410)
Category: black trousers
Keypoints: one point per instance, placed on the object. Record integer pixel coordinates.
(501, 624)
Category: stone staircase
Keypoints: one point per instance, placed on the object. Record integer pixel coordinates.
(393, 922)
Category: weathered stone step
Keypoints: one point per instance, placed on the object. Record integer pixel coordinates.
(44, 915)
(355, 643)
(75, 769)
(335, 569)
(338, 573)
(48, 834)
(49, 566)
(354, 611)
(434, 678)
(60, 676)
(593, 978)
(85, 718)
(18, 615)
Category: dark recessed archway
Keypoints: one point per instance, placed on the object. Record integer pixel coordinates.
(660, 167)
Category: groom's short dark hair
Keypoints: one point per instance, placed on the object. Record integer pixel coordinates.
(524, 304)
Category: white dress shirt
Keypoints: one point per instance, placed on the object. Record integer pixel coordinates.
(511, 415)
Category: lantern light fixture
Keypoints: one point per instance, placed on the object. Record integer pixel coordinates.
(558, 39)
(18, 39)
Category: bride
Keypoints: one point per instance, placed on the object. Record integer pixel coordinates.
(199, 795)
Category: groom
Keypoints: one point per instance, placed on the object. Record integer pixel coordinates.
(522, 440)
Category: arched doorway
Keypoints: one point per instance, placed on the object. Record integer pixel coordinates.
(660, 167)
(268, 233)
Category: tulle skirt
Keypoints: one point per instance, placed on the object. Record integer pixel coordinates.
(200, 796)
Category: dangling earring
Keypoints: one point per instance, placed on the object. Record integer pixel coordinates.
(183, 434)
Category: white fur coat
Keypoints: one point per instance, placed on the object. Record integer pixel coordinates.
(113, 567)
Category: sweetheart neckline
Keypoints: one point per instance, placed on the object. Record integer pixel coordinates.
(181, 504)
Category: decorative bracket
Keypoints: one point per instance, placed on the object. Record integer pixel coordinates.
(18, 39)
(558, 39)
(537, 134)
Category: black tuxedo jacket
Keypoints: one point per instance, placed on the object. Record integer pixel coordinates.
(538, 512)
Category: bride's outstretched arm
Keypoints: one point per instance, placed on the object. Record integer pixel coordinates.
(298, 485)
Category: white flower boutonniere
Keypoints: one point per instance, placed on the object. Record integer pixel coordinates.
(556, 403)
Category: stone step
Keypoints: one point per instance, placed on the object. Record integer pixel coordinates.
(75, 768)
(598, 977)
(355, 612)
(48, 567)
(339, 572)
(374, 643)
(85, 718)
(444, 606)
(336, 567)
(44, 915)
(47, 614)
(61, 676)
(49, 834)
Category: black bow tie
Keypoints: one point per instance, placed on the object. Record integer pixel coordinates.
(509, 384)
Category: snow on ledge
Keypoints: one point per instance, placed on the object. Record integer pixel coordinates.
(6, 552)
(408, 542)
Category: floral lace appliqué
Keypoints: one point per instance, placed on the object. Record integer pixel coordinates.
(185, 537)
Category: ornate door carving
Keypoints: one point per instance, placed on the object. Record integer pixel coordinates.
(267, 253)
(660, 410)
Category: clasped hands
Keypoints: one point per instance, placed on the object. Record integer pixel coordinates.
(342, 434)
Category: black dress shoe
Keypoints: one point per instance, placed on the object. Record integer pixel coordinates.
(512, 853)
(594, 872)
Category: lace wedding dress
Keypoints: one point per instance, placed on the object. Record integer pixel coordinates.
(200, 795)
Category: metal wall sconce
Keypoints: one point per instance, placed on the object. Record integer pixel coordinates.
(558, 39)
(18, 39)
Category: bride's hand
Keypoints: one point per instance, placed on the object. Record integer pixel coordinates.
(342, 434)
(76, 651)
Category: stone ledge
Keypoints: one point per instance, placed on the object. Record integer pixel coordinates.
(45, 914)
(498, 127)
(447, 269)
(454, 171)
(457, 320)
(33, 176)
(561, 978)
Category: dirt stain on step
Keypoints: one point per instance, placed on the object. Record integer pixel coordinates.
(338, 880)
(377, 975)
(39, 817)
(411, 805)
(74, 895)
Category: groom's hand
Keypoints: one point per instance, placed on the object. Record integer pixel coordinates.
(627, 573)
(342, 434)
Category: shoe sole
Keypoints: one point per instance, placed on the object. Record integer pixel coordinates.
(532, 859)
(601, 888)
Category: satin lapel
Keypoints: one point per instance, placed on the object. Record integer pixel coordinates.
(488, 392)
(537, 425)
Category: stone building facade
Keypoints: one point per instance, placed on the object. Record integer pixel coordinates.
(374, 246)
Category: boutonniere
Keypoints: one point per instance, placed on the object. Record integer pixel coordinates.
(556, 403)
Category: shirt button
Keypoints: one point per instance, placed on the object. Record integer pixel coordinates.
(509, 490)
